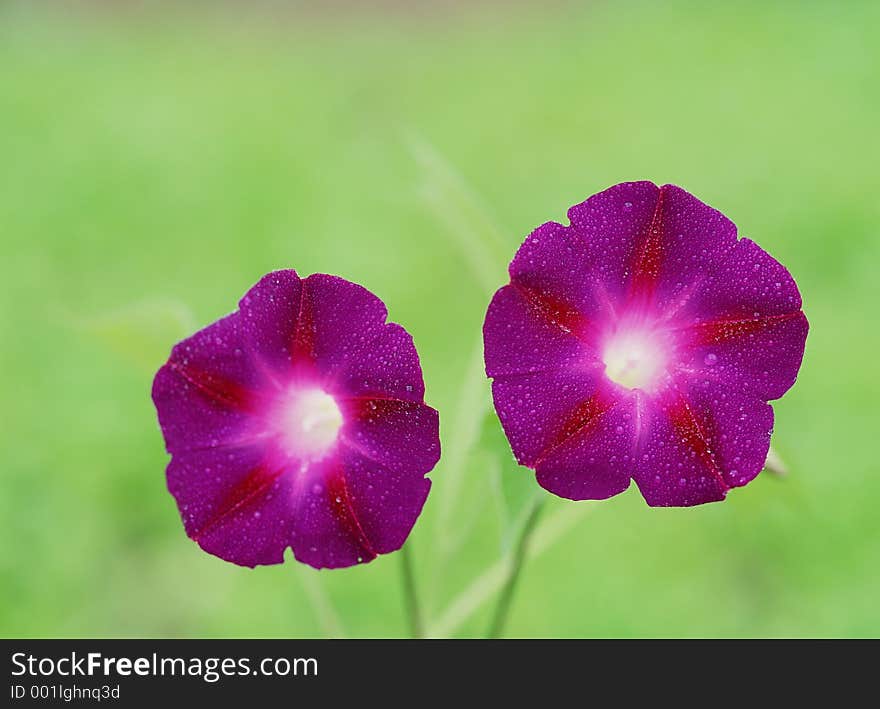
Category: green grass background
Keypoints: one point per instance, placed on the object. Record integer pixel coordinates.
(154, 163)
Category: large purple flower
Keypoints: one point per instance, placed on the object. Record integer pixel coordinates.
(298, 421)
(642, 341)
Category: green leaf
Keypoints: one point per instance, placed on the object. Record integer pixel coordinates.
(458, 207)
(141, 333)
(514, 485)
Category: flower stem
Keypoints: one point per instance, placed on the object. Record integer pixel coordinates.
(410, 595)
(487, 584)
(502, 610)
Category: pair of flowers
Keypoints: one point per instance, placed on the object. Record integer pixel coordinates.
(642, 342)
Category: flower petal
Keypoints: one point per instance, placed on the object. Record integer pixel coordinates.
(371, 493)
(685, 240)
(568, 426)
(377, 486)
(386, 367)
(522, 335)
(233, 503)
(650, 241)
(697, 442)
(342, 318)
(557, 265)
(327, 531)
(746, 281)
(270, 313)
(736, 427)
(748, 330)
(613, 224)
(240, 507)
(388, 446)
(402, 436)
(344, 333)
(539, 410)
(204, 393)
(336, 327)
(595, 461)
(385, 500)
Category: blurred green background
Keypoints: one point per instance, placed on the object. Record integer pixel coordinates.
(156, 160)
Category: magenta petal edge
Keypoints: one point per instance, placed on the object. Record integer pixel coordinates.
(642, 342)
(298, 421)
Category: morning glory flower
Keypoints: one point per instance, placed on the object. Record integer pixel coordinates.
(298, 421)
(642, 342)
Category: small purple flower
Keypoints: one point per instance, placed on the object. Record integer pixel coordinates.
(642, 341)
(298, 421)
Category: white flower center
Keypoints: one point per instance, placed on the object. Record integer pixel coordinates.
(310, 422)
(634, 358)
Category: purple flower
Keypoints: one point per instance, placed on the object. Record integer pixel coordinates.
(643, 341)
(298, 421)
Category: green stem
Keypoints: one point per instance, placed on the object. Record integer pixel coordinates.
(502, 610)
(410, 595)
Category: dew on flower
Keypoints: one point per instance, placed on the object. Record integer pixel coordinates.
(650, 338)
(278, 416)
